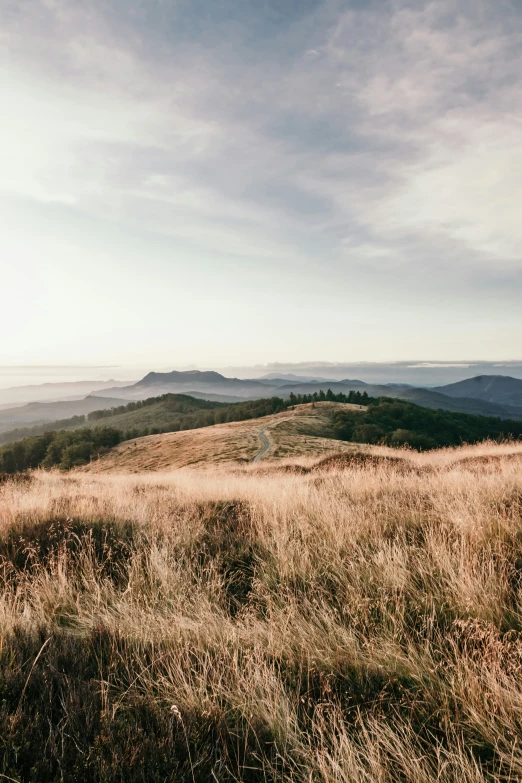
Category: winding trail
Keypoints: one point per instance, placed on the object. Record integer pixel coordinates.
(264, 440)
(264, 448)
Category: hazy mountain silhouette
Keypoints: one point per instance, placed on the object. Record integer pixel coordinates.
(205, 384)
(483, 395)
(500, 389)
(36, 412)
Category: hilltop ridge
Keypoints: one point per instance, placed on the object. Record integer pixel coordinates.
(184, 377)
(304, 430)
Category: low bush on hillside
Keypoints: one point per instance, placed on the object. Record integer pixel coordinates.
(353, 624)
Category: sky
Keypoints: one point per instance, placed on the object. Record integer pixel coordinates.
(232, 182)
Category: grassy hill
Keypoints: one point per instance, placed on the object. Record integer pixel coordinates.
(301, 431)
(309, 429)
(384, 421)
(78, 444)
(339, 621)
(166, 413)
(160, 414)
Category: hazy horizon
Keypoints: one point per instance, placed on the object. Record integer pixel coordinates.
(227, 184)
(421, 373)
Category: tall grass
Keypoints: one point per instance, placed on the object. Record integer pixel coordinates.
(353, 621)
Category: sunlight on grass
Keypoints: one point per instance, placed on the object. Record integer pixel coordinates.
(354, 618)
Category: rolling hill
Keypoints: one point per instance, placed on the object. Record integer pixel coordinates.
(383, 420)
(303, 431)
(207, 383)
(185, 382)
(53, 392)
(167, 413)
(428, 398)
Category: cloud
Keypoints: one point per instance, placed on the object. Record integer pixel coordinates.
(441, 105)
(360, 139)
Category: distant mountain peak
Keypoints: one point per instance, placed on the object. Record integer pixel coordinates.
(499, 389)
(180, 376)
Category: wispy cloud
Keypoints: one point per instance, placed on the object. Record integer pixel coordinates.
(373, 137)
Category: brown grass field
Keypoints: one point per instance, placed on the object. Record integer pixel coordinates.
(293, 433)
(352, 618)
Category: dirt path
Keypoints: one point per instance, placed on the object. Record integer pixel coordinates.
(264, 440)
(265, 447)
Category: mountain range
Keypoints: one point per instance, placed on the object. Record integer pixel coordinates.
(14, 396)
(487, 395)
(500, 389)
(42, 412)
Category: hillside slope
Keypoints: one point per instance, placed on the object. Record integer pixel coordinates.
(53, 392)
(305, 430)
(385, 421)
(159, 413)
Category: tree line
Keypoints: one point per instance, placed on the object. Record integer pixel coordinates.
(63, 448)
(353, 397)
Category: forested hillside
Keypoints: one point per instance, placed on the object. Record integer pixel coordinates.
(66, 448)
(399, 423)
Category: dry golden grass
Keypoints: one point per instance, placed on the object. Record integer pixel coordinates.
(291, 433)
(349, 622)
